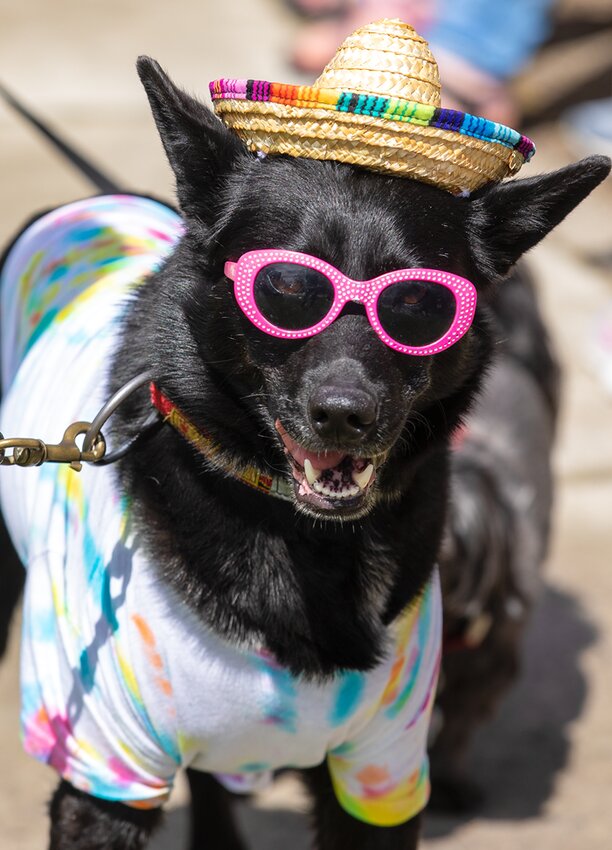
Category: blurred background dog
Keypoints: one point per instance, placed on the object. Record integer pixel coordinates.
(497, 535)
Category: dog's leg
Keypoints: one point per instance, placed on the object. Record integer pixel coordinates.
(337, 830)
(474, 682)
(11, 581)
(81, 822)
(453, 789)
(212, 821)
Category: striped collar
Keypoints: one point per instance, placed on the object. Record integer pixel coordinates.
(271, 485)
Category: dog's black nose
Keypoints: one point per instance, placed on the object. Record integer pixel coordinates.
(345, 414)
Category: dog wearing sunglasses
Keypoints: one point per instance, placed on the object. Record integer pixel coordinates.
(254, 585)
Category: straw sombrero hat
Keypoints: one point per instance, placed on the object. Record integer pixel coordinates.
(376, 104)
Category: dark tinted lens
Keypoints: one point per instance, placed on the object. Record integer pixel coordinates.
(416, 312)
(292, 297)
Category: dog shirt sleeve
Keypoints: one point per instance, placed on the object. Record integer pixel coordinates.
(381, 774)
(97, 699)
(82, 711)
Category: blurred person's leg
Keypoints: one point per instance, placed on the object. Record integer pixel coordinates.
(317, 42)
(497, 37)
(478, 44)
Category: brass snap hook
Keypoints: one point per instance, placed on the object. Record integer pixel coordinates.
(67, 451)
(33, 452)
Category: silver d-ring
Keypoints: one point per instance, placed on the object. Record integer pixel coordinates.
(111, 406)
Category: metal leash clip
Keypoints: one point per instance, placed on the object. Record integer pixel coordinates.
(33, 452)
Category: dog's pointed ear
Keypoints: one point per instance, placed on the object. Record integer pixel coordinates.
(200, 149)
(510, 218)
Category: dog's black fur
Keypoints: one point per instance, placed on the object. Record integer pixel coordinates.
(317, 588)
(496, 535)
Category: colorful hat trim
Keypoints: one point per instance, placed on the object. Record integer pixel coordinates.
(377, 104)
(392, 109)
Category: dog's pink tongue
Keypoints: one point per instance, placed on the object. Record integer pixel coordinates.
(320, 460)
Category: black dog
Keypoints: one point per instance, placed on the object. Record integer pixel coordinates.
(497, 533)
(333, 578)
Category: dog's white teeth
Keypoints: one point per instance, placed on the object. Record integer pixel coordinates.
(362, 479)
(311, 473)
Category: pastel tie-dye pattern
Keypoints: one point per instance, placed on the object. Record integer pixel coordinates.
(121, 684)
(382, 777)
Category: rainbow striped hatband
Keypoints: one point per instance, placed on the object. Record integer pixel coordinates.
(390, 108)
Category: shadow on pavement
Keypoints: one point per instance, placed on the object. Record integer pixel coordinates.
(518, 756)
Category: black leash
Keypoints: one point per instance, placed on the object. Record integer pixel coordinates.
(103, 183)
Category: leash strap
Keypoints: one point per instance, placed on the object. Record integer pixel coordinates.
(271, 485)
(102, 183)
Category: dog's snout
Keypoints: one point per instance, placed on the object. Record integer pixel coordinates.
(343, 413)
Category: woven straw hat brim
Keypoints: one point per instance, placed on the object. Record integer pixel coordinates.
(451, 160)
(376, 104)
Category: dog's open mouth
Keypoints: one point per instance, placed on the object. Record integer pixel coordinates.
(328, 480)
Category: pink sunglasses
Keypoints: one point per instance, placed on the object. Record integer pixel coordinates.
(294, 296)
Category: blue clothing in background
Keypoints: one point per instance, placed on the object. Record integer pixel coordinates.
(496, 36)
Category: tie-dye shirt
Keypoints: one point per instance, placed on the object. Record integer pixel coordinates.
(121, 683)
